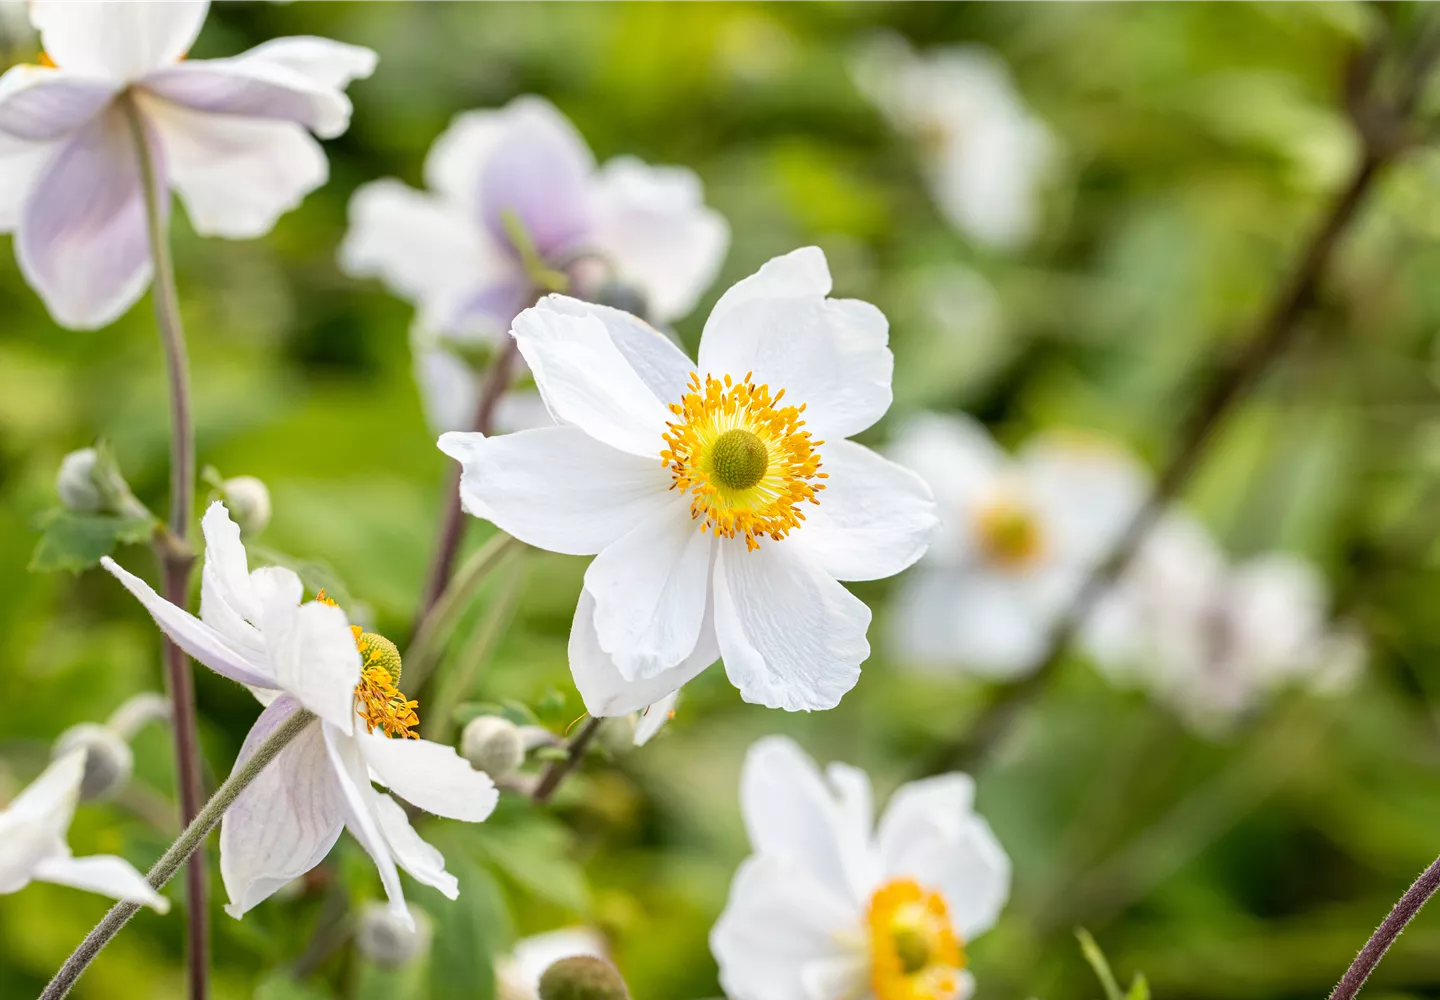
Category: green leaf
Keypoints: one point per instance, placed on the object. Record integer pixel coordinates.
(534, 851)
(468, 932)
(279, 985)
(1097, 961)
(75, 540)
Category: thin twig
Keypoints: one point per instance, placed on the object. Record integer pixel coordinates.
(574, 750)
(425, 647)
(1404, 911)
(174, 551)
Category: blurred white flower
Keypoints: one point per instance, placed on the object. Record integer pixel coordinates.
(33, 847)
(985, 155)
(518, 974)
(1017, 536)
(830, 907)
(454, 251)
(1214, 641)
(450, 389)
(720, 525)
(253, 629)
(232, 136)
(389, 942)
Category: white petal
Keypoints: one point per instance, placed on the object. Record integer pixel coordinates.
(587, 382)
(449, 385)
(661, 365)
(653, 718)
(313, 657)
(651, 589)
(285, 821)
(236, 176)
(791, 812)
(800, 274)
(34, 824)
(226, 595)
(990, 625)
(359, 806)
(104, 874)
(122, 41)
(956, 455)
(930, 833)
(652, 225)
(20, 166)
(198, 640)
(429, 775)
(606, 693)
(558, 489)
(829, 354)
(874, 519)
(1087, 490)
(791, 636)
(322, 61)
(424, 863)
(81, 241)
(778, 923)
(39, 104)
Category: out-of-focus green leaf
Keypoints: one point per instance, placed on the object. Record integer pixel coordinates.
(468, 932)
(279, 985)
(1097, 961)
(74, 540)
(535, 851)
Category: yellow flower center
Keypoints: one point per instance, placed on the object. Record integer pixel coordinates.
(745, 460)
(914, 952)
(1009, 534)
(378, 701)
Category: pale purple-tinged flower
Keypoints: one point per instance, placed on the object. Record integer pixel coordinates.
(231, 136)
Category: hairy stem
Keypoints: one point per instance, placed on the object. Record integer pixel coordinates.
(180, 852)
(574, 750)
(1404, 911)
(174, 551)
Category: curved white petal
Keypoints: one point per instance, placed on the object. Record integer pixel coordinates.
(962, 463)
(652, 225)
(799, 274)
(358, 807)
(429, 775)
(198, 640)
(34, 824)
(658, 362)
(651, 589)
(285, 821)
(21, 164)
(829, 354)
(780, 922)
(313, 657)
(874, 519)
(791, 636)
(121, 41)
(653, 718)
(81, 240)
(985, 624)
(424, 863)
(236, 176)
(605, 691)
(104, 874)
(930, 833)
(586, 380)
(322, 61)
(558, 489)
(39, 104)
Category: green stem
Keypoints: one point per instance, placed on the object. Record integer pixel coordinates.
(186, 845)
(574, 751)
(436, 626)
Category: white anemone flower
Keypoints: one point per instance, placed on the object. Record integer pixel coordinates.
(831, 907)
(523, 175)
(231, 136)
(986, 156)
(254, 629)
(1214, 640)
(720, 498)
(1017, 537)
(518, 973)
(33, 847)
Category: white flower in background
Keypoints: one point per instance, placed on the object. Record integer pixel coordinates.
(253, 629)
(986, 156)
(450, 389)
(33, 848)
(1212, 640)
(721, 499)
(518, 974)
(1017, 537)
(830, 907)
(231, 136)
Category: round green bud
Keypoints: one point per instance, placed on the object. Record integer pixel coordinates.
(76, 484)
(493, 745)
(248, 500)
(387, 939)
(582, 977)
(738, 459)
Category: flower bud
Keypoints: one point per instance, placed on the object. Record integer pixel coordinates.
(493, 745)
(385, 938)
(582, 977)
(248, 500)
(626, 298)
(76, 481)
(108, 760)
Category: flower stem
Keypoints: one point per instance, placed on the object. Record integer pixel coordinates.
(1404, 911)
(574, 750)
(179, 853)
(174, 551)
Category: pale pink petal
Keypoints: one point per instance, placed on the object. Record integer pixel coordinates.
(21, 163)
(39, 104)
(121, 41)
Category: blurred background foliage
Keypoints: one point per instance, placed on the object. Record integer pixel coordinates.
(1199, 143)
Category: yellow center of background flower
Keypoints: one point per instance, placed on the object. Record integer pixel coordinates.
(378, 699)
(745, 459)
(1009, 535)
(914, 952)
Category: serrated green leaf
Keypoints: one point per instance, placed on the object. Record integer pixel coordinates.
(76, 540)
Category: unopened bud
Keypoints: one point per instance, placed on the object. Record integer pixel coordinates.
(248, 500)
(493, 745)
(618, 295)
(583, 977)
(108, 760)
(617, 735)
(384, 937)
(76, 481)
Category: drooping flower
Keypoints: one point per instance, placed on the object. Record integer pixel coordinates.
(721, 499)
(518, 973)
(985, 154)
(831, 907)
(1016, 538)
(231, 136)
(33, 847)
(1214, 640)
(254, 629)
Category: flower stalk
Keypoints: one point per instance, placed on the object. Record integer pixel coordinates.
(1404, 911)
(180, 852)
(574, 750)
(173, 547)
